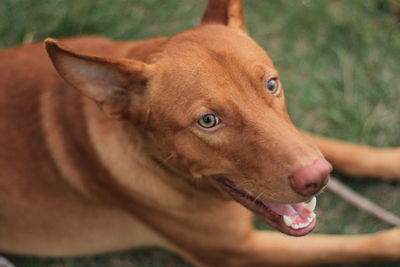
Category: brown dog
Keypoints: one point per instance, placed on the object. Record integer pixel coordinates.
(186, 125)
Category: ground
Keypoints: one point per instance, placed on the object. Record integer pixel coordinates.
(339, 62)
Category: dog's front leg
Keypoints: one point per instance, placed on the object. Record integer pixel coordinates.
(360, 160)
(277, 249)
(264, 248)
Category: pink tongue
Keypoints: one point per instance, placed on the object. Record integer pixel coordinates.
(286, 209)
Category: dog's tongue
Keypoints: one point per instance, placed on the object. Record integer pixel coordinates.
(296, 216)
(286, 209)
(282, 209)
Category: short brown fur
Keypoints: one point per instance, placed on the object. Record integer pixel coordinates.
(80, 180)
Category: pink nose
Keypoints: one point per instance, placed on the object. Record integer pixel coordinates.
(309, 180)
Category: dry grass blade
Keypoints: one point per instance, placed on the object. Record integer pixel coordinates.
(361, 202)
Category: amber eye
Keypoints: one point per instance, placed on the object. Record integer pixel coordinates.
(273, 86)
(209, 121)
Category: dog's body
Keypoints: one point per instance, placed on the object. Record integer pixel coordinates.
(47, 116)
(76, 181)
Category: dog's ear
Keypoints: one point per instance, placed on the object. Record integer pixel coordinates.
(109, 82)
(226, 12)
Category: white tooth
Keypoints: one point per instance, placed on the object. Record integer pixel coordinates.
(306, 224)
(300, 225)
(311, 205)
(313, 215)
(287, 220)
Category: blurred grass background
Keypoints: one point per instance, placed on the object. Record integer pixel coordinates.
(339, 61)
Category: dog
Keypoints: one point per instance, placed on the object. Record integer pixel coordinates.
(110, 145)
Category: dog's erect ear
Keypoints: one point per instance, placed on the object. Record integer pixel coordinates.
(109, 82)
(226, 12)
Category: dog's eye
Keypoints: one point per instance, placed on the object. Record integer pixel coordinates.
(273, 86)
(209, 121)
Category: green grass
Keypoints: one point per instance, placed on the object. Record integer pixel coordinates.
(339, 62)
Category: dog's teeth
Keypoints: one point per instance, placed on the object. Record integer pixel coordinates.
(295, 226)
(311, 205)
(300, 225)
(305, 225)
(288, 221)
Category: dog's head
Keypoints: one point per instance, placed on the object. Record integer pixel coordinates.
(211, 106)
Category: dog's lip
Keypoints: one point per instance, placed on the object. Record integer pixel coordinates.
(262, 208)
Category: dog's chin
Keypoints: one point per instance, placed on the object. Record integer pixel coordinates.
(293, 219)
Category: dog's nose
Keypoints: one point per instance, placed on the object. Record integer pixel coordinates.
(309, 180)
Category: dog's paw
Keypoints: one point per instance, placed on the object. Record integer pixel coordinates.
(5, 263)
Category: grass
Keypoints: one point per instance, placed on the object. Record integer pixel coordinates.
(339, 62)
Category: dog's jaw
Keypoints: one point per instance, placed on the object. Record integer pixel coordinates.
(292, 219)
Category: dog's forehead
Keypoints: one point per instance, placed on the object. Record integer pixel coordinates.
(210, 66)
(214, 44)
(211, 55)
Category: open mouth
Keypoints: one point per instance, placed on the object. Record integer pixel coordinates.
(293, 219)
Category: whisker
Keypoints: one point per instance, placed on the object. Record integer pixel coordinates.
(168, 158)
(244, 182)
(259, 195)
